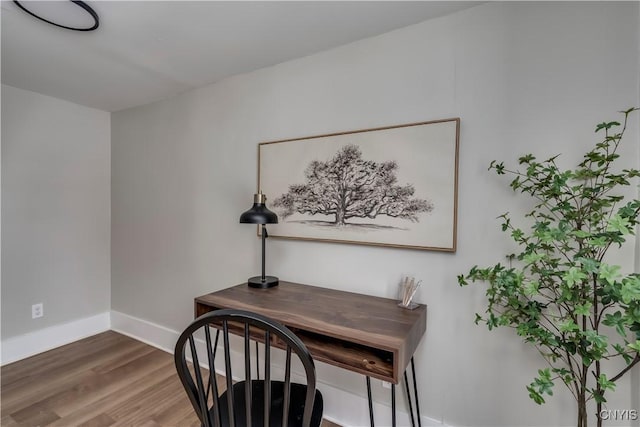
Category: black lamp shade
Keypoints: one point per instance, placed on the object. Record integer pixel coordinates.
(258, 214)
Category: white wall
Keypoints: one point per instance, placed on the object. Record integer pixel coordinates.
(56, 198)
(523, 77)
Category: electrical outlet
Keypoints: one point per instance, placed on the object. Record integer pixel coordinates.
(385, 384)
(37, 311)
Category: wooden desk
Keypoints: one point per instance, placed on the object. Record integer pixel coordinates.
(361, 333)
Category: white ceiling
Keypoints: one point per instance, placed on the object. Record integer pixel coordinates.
(144, 51)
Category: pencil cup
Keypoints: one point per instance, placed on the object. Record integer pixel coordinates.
(406, 291)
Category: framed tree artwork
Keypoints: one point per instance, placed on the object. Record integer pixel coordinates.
(392, 186)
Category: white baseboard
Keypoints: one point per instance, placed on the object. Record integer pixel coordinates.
(29, 344)
(145, 331)
(339, 405)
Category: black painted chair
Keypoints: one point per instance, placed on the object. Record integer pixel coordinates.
(266, 401)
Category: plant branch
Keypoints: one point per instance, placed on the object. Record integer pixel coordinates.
(627, 368)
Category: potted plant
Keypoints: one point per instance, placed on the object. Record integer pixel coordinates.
(563, 294)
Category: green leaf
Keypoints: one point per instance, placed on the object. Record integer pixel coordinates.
(630, 289)
(499, 167)
(635, 346)
(605, 384)
(507, 222)
(606, 125)
(599, 343)
(531, 288)
(532, 258)
(598, 241)
(517, 234)
(619, 224)
(581, 234)
(599, 396)
(568, 326)
(608, 272)
(589, 265)
(583, 309)
(526, 159)
(533, 394)
(573, 276)
(624, 353)
(541, 385)
(515, 184)
(617, 321)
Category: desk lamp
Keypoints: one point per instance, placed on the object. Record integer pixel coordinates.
(259, 214)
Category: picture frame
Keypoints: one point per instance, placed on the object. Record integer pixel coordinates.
(393, 186)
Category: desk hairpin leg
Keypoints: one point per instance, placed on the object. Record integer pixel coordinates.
(393, 405)
(415, 394)
(406, 383)
(370, 402)
(393, 398)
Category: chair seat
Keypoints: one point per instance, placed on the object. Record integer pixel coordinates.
(296, 405)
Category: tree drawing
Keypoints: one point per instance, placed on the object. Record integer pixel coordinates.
(347, 186)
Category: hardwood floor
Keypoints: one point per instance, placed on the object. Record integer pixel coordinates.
(105, 380)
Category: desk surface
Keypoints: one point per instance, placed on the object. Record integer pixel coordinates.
(366, 334)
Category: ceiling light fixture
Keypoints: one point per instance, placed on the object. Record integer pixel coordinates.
(79, 3)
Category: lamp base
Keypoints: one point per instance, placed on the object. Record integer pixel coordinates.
(268, 282)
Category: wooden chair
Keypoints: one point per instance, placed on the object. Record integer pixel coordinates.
(266, 402)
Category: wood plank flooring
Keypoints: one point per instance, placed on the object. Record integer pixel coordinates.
(105, 380)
